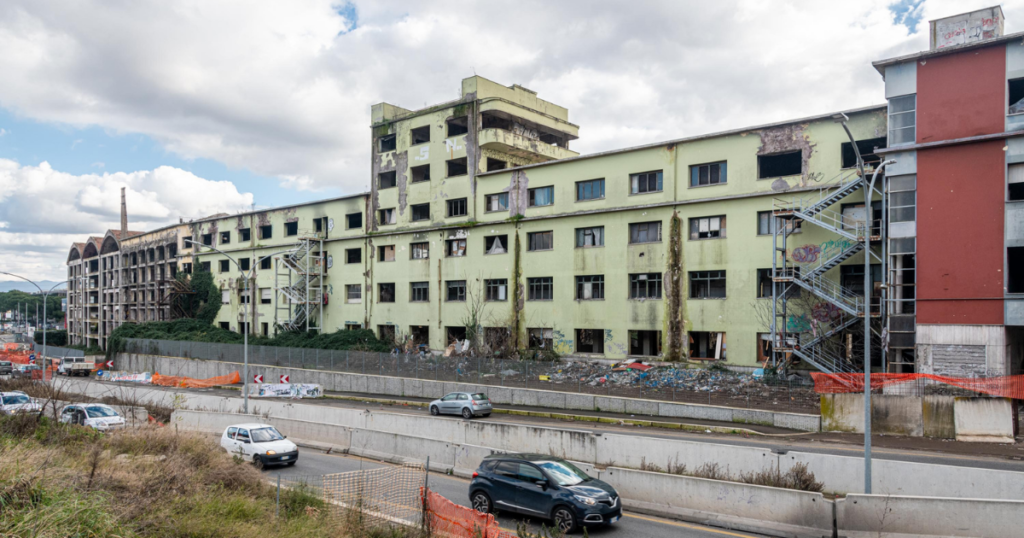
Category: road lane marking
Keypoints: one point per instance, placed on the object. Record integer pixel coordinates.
(687, 526)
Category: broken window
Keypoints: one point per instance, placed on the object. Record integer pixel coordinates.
(540, 338)
(243, 234)
(386, 293)
(645, 343)
(707, 284)
(589, 190)
(590, 237)
(780, 165)
(353, 293)
(495, 164)
(589, 287)
(354, 220)
(388, 143)
(353, 255)
(645, 182)
(707, 227)
(420, 251)
(707, 345)
(540, 241)
(645, 232)
(765, 223)
(457, 208)
(708, 174)
(496, 289)
(225, 238)
(266, 232)
(456, 290)
(225, 266)
(457, 167)
(387, 180)
(540, 288)
(867, 152)
(208, 239)
(243, 263)
(386, 332)
(291, 228)
(455, 247)
(420, 335)
(458, 126)
(455, 333)
(419, 292)
(420, 173)
(903, 195)
(645, 286)
(386, 253)
(266, 295)
(764, 284)
(902, 120)
(589, 341)
(420, 135)
(496, 244)
(1015, 270)
(497, 202)
(265, 262)
(542, 196)
(420, 212)
(387, 216)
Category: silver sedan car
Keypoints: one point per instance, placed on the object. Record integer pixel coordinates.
(467, 404)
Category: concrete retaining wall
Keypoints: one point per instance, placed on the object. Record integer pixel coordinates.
(984, 420)
(871, 516)
(420, 388)
(966, 419)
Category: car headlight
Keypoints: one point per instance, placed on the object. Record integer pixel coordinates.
(590, 501)
(271, 452)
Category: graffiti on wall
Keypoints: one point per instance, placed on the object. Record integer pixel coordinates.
(825, 250)
(561, 344)
(798, 324)
(825, 312)
(806, 254)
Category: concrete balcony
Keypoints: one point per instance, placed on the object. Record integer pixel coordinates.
(521, 146)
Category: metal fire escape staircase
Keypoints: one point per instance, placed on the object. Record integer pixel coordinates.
(299, 286)
(840, 308)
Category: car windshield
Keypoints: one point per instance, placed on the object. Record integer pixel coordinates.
(15, 399)
(563, 472)
(95, 411)
(479, 396)
(266, 435)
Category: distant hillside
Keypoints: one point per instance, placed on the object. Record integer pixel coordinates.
(21, 285)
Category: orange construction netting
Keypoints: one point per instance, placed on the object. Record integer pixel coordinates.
(188, 382)
(1011, 386)
(446, 518)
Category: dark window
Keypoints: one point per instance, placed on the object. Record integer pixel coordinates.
(589, 340)
(1016, 96)
(265, 262)
(902, 120)
(540, 338)
(266, 328)
(388, 143)
(208, 239)
(456, 290)
(645, 182)
(645, 286)
(353, 255)
(645, 343)
(1015, 270)
(225, 266)
(541, 240)
(386, 253)
(386, 293)
(266, 296)
(590, 190)
(243, 234)
(458, 126)
(387, 216)
(1016, 193)
(266, 232)
(495, 164)
(419, 292)
(707, 227)
(291, 228)
(244, 263)
(645, 232)
(457, 208)
(541, 288)
(225, 238)
(708, 174)
(420, 135)
(455, 248)
(590, 237)
(205, 266)
(707, 284)
(707, 345)
(387, 180)
(457, 167)
(420, 251)
(542, 196)
(420, 212)
(867, 152)
(851, 277)
(496, 244)
(186, 242)
(780, 165)
(318, 225)
(764, 284)
(420, 173)
(225, 325)
(765, 221)
(496, 202)
(353, 293)
(496, 289)
(354, 220)
(243, 297)
(420, 335)
(386, 332)
(589, 287)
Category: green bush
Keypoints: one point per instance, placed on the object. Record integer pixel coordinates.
(53, 338)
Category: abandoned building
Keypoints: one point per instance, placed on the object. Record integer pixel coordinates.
(479, 212)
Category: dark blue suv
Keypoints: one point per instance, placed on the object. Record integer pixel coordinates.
(546, 487)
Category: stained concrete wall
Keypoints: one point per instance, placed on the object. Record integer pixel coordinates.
(984, 420)
(931, 416)
(871, 516)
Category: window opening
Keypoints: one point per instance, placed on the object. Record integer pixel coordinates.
(902, 120)
(495, 164)
(645, 232)
(420, 173)
(590, 237)
(354, 220)
(455, 248)
(496, 289)
(542, 196)
(539, 338)
(456, 290)
(420, 135)
(420, 251)
(497, 202)
(708, 174)
(387, 180)
(589, 190)
(388, 143)
(419, 292)
(780, 165)
(387, 216)
(707, 227)
(291, 228)
(354, 293)
(353, 255)
(386, 293)
(589, 340)
(458, 126)
(707, 284)
(421, 212)
(540, 288)
(867, 152)
(457, 208)
(646, 182)
(386, 253)
(457, 167)
(541, 241)
(645, 343)
(707, 345)
(495, 244)
(589, 287)
(645, 286)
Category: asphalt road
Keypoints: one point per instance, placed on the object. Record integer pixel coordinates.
(315, 463)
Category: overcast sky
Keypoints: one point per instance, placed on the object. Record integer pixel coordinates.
(206, 106)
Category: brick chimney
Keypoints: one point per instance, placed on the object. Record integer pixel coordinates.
(124, 215)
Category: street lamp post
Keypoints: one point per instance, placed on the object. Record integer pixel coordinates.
(46, 296)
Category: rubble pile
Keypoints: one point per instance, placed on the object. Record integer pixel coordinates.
(652, 377)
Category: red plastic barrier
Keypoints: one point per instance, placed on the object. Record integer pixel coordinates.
(449, 519)
(1011, 386)
(188, 382)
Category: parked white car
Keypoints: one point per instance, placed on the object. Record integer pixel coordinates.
(17, 402)
(98, 416)
(259, 443)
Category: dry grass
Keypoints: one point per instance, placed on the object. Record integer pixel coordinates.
(798, 477)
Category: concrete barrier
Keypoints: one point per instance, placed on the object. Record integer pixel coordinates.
(984, 420)
(871, 516)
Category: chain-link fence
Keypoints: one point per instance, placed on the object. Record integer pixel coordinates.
(668, 383)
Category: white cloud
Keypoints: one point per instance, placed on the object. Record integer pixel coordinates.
(43, 211)
(3, 131)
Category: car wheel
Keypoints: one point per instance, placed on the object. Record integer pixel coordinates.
(257, 461)
(434, 410)
(481, 502)
(467, 413)
(565, 520)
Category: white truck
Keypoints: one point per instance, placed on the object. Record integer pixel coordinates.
(72, 366)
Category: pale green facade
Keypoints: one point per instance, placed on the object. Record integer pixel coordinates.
(532, 137)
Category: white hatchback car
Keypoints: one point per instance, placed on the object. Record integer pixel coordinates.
(98, 416)
(17, 402)
(259, 443)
